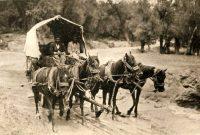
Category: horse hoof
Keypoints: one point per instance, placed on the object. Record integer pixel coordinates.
(49, 118)
(61, 114)
(67, 118)
(118, 113)
(113, 117)
(44, 106)
(123, 115)
(53, 130)
(98, 114)
(38, 116)
(128, 113)
(92, 110)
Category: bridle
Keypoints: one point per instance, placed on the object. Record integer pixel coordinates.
(91, 68)
(154, 78)
(127, 65)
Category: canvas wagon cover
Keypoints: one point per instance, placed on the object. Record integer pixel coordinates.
(45, 31)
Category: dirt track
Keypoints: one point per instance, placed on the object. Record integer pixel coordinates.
(157, 113)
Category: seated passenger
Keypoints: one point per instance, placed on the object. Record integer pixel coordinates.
(59, 50)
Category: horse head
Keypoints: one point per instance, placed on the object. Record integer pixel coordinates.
(159, 80)
(89, 71)
(92, 63)
(129, 62)
(64, 73)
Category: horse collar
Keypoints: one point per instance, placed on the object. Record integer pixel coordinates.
(127, 65)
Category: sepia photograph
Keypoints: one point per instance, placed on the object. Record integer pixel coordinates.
(99, 67)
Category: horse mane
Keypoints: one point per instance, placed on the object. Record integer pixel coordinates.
(147, 71)
(117, 68)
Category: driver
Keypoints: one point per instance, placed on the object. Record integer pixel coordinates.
(59, 51)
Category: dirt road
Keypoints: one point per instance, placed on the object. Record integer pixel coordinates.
(158, 115)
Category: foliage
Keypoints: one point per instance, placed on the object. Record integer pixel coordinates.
(123, 20)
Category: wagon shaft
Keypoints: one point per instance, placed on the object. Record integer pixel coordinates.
(98, 104)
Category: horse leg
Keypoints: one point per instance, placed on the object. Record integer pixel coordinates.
(133, 98)
(36, 98)
(92, 105)
(117, 110)
(54, 102)
(109, 103)
(94, 91)
(51, 112)
(110, 97)
(81, 106)
(98, 113)
(136, 101)
(68, 110)
(44, 105)
(61, 106)
(104, 96)
(114, 102)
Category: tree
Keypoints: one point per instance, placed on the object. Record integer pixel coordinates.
(164, 12)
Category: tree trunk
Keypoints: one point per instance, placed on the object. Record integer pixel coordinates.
(21, 9)
(167, 46)
(177, 45)
(142, 45)
(161, 44)
(190, 45)
(122, 21)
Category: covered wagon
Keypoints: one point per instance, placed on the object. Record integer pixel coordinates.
(45, 32)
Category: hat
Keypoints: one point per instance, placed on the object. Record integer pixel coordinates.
(57, 38)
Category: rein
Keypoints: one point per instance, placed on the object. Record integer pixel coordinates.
(70, 89)
(129, 66)
(154, 79)
(122, 75)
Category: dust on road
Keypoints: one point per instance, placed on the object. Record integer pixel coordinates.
(157, 113)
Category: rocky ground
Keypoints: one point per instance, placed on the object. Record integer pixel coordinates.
(159, 113)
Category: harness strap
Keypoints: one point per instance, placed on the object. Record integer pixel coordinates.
(135, 68)
(127, 65)
(70, 89)
(80, 88)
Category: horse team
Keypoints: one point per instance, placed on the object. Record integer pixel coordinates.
(62, 83)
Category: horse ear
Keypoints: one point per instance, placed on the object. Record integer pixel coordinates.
(165, 70)
(89, 56)
(126, 55)
(85, 63)
(130, 52)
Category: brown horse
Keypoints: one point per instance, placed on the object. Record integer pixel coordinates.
(87, 70)
(135, 83)
(110, 73)
(47, 81)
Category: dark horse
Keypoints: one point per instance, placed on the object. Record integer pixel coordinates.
(157, 76)
(133, 82)
(110, 73)
(87, 70)
(48, 81)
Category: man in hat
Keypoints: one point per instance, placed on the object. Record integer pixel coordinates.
(60, 51)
